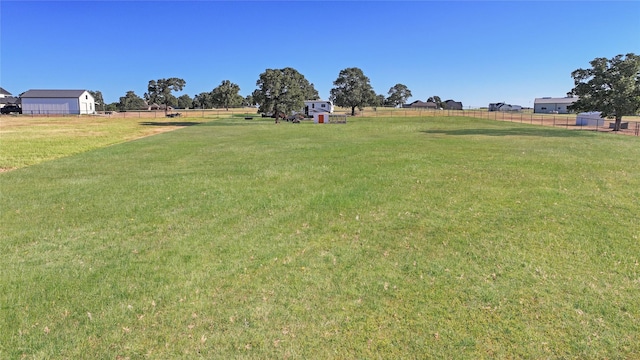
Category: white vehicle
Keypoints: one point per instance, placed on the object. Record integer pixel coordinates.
(317, 106)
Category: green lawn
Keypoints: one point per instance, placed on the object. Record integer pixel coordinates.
(399, 238)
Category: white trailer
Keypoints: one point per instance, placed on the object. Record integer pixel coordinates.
(317, 106)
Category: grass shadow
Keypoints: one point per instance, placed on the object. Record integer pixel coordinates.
(513, 131)
(171, 123)
(238, 122)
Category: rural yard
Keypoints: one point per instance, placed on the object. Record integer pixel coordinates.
(399, 180)
(447, 237)
(58, 134)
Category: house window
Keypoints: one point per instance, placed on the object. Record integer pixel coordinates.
(322, 105)
(543, 108)
(313, 106)
(86, 97)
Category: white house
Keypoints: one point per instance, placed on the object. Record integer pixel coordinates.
(550, 105)
(58, 102)
(7, 99)
(4, 93)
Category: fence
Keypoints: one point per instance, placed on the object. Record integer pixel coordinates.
(567, 121)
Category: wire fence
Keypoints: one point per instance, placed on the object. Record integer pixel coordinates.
(567, 121)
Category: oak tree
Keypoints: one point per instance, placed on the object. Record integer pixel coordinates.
(611, 86)
(282, 91)
(226, 95)
(159, 91)
(131, 101)
(352, 89)
(203, 100)
(185, 101)
(398, 95)
(248, 101)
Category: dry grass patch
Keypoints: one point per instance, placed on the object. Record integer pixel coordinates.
(32, 140)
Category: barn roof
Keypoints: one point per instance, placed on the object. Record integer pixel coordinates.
(551, 100)
(52, 93)
(420, 103)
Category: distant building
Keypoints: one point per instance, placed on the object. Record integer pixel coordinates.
(504, 107)
(551, 105)
(4, 93)
(156, 106)
(452, 105)
(58, 102)
(7, 99)
(421, 105)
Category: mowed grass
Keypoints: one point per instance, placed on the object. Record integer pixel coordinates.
(26, 140)
(398, 238)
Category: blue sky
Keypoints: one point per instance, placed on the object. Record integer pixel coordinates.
(476, 52)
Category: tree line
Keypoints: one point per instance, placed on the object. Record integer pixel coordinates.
(279, 91)
(611, 86)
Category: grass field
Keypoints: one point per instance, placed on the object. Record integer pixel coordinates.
(27, 141)
(406, 237)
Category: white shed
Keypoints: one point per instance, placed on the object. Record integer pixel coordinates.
(58, 102)
(591, 118)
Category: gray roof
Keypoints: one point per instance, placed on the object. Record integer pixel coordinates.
(550, 100)
(420, 103)
(9, 100)
(4, 92)
(52, 94)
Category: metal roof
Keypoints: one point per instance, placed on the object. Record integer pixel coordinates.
(551, 100)
(9, 100)
(52, 94)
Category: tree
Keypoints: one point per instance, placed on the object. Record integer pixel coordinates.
(159, 91)
(226, 95)
(611, 86)
(398, 95)
(282, 91)
(352, 89)
(203, 100)
(248, 101)
(97, 97)
(436, 99)
(114, 106)
(379, 100)
(131, 101)
(185, 102)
